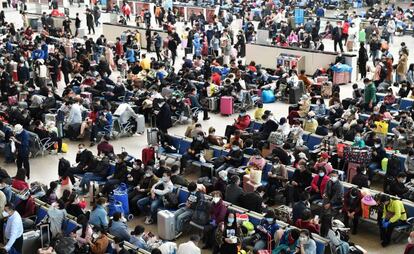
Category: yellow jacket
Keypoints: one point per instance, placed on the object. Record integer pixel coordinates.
(394, 211)
(259, 113)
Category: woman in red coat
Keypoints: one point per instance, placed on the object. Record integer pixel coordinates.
(318, 184)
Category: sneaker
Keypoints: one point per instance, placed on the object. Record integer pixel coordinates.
(146, 221)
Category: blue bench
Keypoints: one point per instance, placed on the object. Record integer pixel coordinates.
(406, 103)
(313, 141)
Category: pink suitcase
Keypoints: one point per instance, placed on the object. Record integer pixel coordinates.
(250, 187)
(226, 105)
(341, 78)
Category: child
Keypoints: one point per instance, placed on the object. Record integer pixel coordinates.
(258, 113)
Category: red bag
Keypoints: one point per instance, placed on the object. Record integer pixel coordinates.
(12, 100)
(340, 149)
(148, 154)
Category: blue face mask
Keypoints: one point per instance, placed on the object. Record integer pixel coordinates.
(230, 220)
(321, 174)
(357, 139)
(269, 220)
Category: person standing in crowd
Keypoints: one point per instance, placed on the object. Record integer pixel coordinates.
(77, 24)
(337, 37)
(362, 60)
(21, 140)
(90, 22)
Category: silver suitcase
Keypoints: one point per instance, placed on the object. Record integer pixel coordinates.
(31, 242)
(152, 136)
(166, 225)
(141, 124)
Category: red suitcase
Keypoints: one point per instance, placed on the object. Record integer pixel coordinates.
(148, 154)
(226, 105)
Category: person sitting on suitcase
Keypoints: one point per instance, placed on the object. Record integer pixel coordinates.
(184, 214)
(194, 151)
(154, 201)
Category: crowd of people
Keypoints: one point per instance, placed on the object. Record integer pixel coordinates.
(109, 86)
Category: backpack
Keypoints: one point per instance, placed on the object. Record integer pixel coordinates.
(65, 245)
(201, 214)
(393, 166)
(170, 200)
(63, 166)
(276, 138)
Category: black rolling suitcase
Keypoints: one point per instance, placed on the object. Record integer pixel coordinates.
(294, 95)
(347, 102)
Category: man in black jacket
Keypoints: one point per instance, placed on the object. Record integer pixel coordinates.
(361, 179)
(197, 146)
(378, 154)
(164, 117)
(233, 159)
(398, 187)
(253, 201)
(300, 180)
(300, 206)
(99, 174)
(5, 80)
(337, 37)
(233, 191)
(85, 163)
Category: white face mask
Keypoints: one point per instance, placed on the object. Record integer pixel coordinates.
(147, 174)
(334, 178)
(113, 246)
(81, 149)
(303, 239)
(164, 179)
(377, 145)
(216, 200)
(410, 241)
(5, 214)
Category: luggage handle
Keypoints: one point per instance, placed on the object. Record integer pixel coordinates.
(41, 228)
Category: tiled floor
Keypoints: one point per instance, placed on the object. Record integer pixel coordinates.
(44, 169)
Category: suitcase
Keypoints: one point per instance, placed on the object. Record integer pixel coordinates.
(326, 90)
(141, 124)
(50, 118)
(250, 186)
(341, 77)
(4, 5)
(152, 136)
(226, 105)
(166, 225)
(352, 171)
(213, 104)
(148, 154)
(294, 95)
(188, 51)
(31, 242)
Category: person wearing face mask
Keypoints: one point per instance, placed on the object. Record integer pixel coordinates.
(56, 216)
(267, 127)
(409, 165)
(398, 188)
(308, 221)
(378, 154)
(142, 189)
(299, 208)
(361, 179)
(266, 228)
(324, 163)
(334, 192)
(393, 215)
(352, 208)
(306, 244)
(318, 184)
(120, 174)
(195, 103)
(241, 123)
(233, 159)
(218, 212)
(300, 180)
(99, 242)
(163, 118)
(257, 161)
(228, 234)
(404, 128)
(310, 123)
(13, 230)
(358, 141)
(21, 139)
(277, 178)
(154, 200)
(118, 227)
(194, 151)
(104, 147)
(184, 214)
